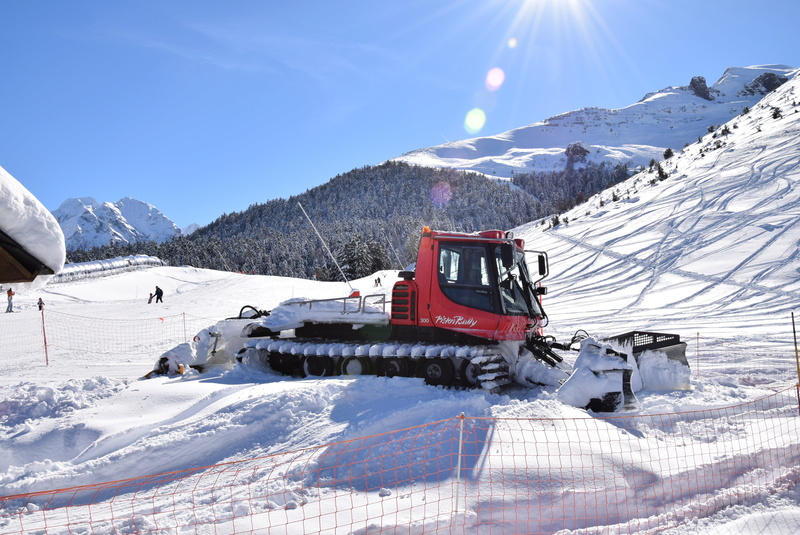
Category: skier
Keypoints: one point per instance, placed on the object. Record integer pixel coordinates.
(11, 295)
(159, 294)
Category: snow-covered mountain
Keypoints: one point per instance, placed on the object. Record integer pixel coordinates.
(721, 227)
(87, 223)
(709, 252)
(191, 228)
(670, 118)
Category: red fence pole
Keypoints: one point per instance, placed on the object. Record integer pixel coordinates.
(796, 355)
(797, 360)
(44, 336)
(697, 355)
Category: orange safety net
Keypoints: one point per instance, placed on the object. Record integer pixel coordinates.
(617, 474)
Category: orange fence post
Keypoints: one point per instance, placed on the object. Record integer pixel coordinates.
(797, 361)
(796, 355)
(458, 458)
(44, 337)
(697, 355)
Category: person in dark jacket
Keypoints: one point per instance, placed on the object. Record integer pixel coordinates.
(159, 294)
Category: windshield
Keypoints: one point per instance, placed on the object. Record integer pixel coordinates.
(474, 276)
(515, 289)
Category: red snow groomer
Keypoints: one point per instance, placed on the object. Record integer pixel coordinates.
(468, 315)
(463, 317)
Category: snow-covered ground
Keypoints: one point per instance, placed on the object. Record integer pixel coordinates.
(711, 253)
(88, 418)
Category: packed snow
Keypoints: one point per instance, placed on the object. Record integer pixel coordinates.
(89, 418)
(710, 253)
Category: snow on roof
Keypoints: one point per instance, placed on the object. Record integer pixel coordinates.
(26, 221)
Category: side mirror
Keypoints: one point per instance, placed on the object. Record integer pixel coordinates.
(541, 268)
(507, 255)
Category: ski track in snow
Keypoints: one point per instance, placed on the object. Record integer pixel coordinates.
(711, 248)
(666, 229)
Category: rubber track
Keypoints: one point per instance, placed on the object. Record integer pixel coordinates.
(489, 368)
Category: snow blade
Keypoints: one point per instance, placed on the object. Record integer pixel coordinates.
(641, 341)
(600, 381)
(660, 359)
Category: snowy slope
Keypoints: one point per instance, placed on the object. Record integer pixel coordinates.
(722, 229)
(87, 223)
(712, 250)
(669, 118)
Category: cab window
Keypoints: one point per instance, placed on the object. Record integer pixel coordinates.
(464, 276)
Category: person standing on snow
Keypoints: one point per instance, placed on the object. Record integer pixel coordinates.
(40, 303)
(159, 294)
(11, 295)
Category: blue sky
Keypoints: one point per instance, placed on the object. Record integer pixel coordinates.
(206, 107)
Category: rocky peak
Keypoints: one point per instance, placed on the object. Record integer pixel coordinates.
(764, 83)
(700, 88)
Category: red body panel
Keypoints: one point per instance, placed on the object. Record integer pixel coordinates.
(432, 308)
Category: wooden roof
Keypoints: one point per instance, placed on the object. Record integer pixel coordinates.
(17, 264)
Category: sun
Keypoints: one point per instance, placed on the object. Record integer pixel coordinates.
(537, 43)
(571, 16)
(559, 33)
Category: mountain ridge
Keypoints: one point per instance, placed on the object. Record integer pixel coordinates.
(386, 203)
(87, 223)
(669, 118)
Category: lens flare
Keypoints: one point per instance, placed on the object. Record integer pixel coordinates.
(475, 120)
(441, 194)
(512, 43)
(495, 78)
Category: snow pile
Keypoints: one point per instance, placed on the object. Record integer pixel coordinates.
(396, 457)
(29, 405)
(659, 372)
(597, 373)
(30, 401)
(359, 310)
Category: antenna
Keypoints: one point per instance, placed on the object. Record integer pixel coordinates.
(397, 256)
(324, 245)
